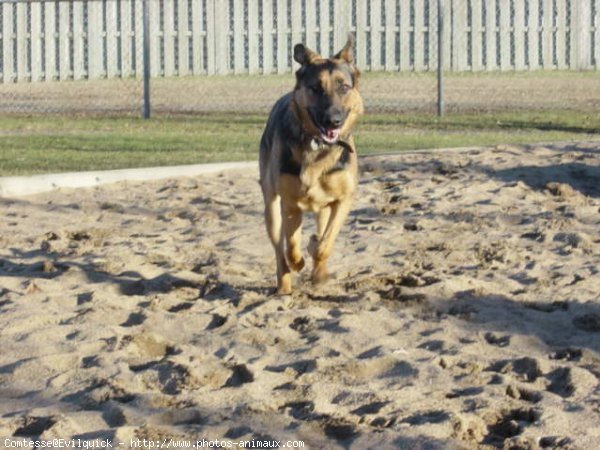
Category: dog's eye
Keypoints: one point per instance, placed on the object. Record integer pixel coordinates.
(344, 88)
(315, 88)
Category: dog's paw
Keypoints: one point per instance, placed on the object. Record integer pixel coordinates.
(296, 265)
(284, 291)
(319, 274)
(284, 285)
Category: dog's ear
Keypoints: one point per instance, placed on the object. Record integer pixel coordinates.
(347, 53)
(303, 55)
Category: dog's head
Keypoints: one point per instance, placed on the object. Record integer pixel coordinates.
(326, 93)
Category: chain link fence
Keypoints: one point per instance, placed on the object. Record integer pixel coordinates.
(70, 56)
(87, 56)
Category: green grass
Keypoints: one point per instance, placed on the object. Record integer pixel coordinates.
(464, 130)
(47, 144)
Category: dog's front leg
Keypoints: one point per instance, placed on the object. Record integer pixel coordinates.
(273, 221)
(320, 247)
(322, 220)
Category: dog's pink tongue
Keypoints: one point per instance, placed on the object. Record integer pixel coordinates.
(332, 134)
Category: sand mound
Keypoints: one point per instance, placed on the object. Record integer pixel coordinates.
(464, 311)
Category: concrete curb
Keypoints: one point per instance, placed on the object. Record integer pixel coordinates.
(21, 186)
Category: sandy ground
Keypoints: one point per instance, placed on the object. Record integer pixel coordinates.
(464, 311)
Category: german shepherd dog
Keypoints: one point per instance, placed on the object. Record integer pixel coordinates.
(308, 161)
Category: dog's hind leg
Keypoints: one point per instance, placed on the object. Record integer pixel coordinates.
(292, 225)
(275, 233)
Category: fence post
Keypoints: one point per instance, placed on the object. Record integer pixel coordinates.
(440, 68)
(580, 35)
(146, 58)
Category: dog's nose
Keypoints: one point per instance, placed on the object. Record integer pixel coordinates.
(335, 118)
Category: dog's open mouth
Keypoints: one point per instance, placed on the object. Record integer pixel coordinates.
(330, 135)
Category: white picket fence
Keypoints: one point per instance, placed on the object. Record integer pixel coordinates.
(44, 40)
